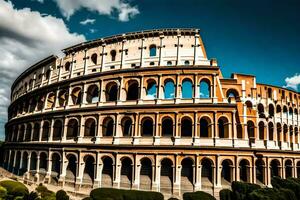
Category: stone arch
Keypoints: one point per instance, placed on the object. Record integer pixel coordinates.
(36, 131)
(151, 89)
(107, 171)
(261, 110)
(108, 127)
(111, 91)
(260, 171)
(90, 127)
(271, 131)
(249, 104)
(169, 89)
(24, 163)
(51, 100)
(46, 130)
(40, 102)
(285, 133)
(187, 89)
(94, 57)
(57, 129)
(89, 170)
(166, 176)
(232, 94)
(204, 87)
(278, 109)
(127, 126)
(71, 172)
(92, 94)
(207, 175)
(146, 174)
(56, 168)
(271, 110)
(186, 127)
(227, 172)
(205, 127)
(147, 128)
(76, 96)
(62, 98)
(21, 133)
(261, 130)
(33, 161)
(132, 90)
(275, 168)
(187, 175)
(223, 127)
(250, 129)
(244, 166)
(73, 128)
(126, 172)
(167, 127)
(288, 167)
(17, 164)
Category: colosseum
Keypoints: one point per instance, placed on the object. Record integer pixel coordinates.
(148, 111)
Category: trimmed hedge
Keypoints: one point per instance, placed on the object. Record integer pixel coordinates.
(241, 191)
(226, 194)
(118, 194)
(62, 195)
(292, 184)
(198, 196)
(45, 193)
(14, 188)
(3, 192)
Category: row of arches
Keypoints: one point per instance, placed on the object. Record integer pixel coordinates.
(108, 127)
(126, 172)
(287, 112)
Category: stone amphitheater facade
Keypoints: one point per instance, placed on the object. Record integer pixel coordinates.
(149, 111)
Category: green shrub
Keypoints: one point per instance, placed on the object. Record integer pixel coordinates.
(198, 196)
(290, 183)
(14, 188)
(32, 196)
(287, 194)
(117, 194)
(3, 192)
(240, 190)
(45, 193)
(226, 194)
(62, 195)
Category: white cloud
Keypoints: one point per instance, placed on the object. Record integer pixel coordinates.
(26, 37)
(123, 10)
(87, 21)
(293, 82)
(92, 30)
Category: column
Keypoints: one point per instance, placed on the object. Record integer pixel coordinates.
(59, 69)
(178, 45)
(157, 129)
(81, 129)
(50, 75)
(41, 130)
(81, 166)
(196, 134)
(198, 171)
(177, 89)
(72, 66)
(116, 183)
(136, 134)
(99, 168)
(84, 64)
(215, 129)
(122, 53)
(142, 89)
(65, 130)
(177, 175)
(84, 94)
(176, 132)
(253, 170)
(160, 89)
(118, 129)
(215, 98)
(37, 168)
(142, 49)
(98, 129)
(49, 169)
(51, 130)
(218, 172)
(156, 175)
(64, 165)
(103, 54)
(137, 169)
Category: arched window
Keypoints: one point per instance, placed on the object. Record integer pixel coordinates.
(146, 174)
(244, 170)
(92, 94)
(133, 90)
(261, 130)
(73, 128)
(261, 110)
(270, 93)
(90, 128)
(108, 127)
(204, 127)
(57, 130)
(169, 63)
(151, 90)
(127, 126)
(249, 104)
(186, 127)
(186, 62)
(271, 110)
(169, 90)
(48, 74)
(113, 54)
(36, 132)
(147, 127)
(45, 132)
(111, 91)
(271, 130)
(67, 66)
(232, 94)
(250, 129)
(204, 89)
(50, 100)
(152, 49)
(167, 127)
(94, 58)
(187, 89)
(223, 127)
(62, 98)
(278, 109)
(76, 96)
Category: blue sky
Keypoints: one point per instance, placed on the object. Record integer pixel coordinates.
(253, 37)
